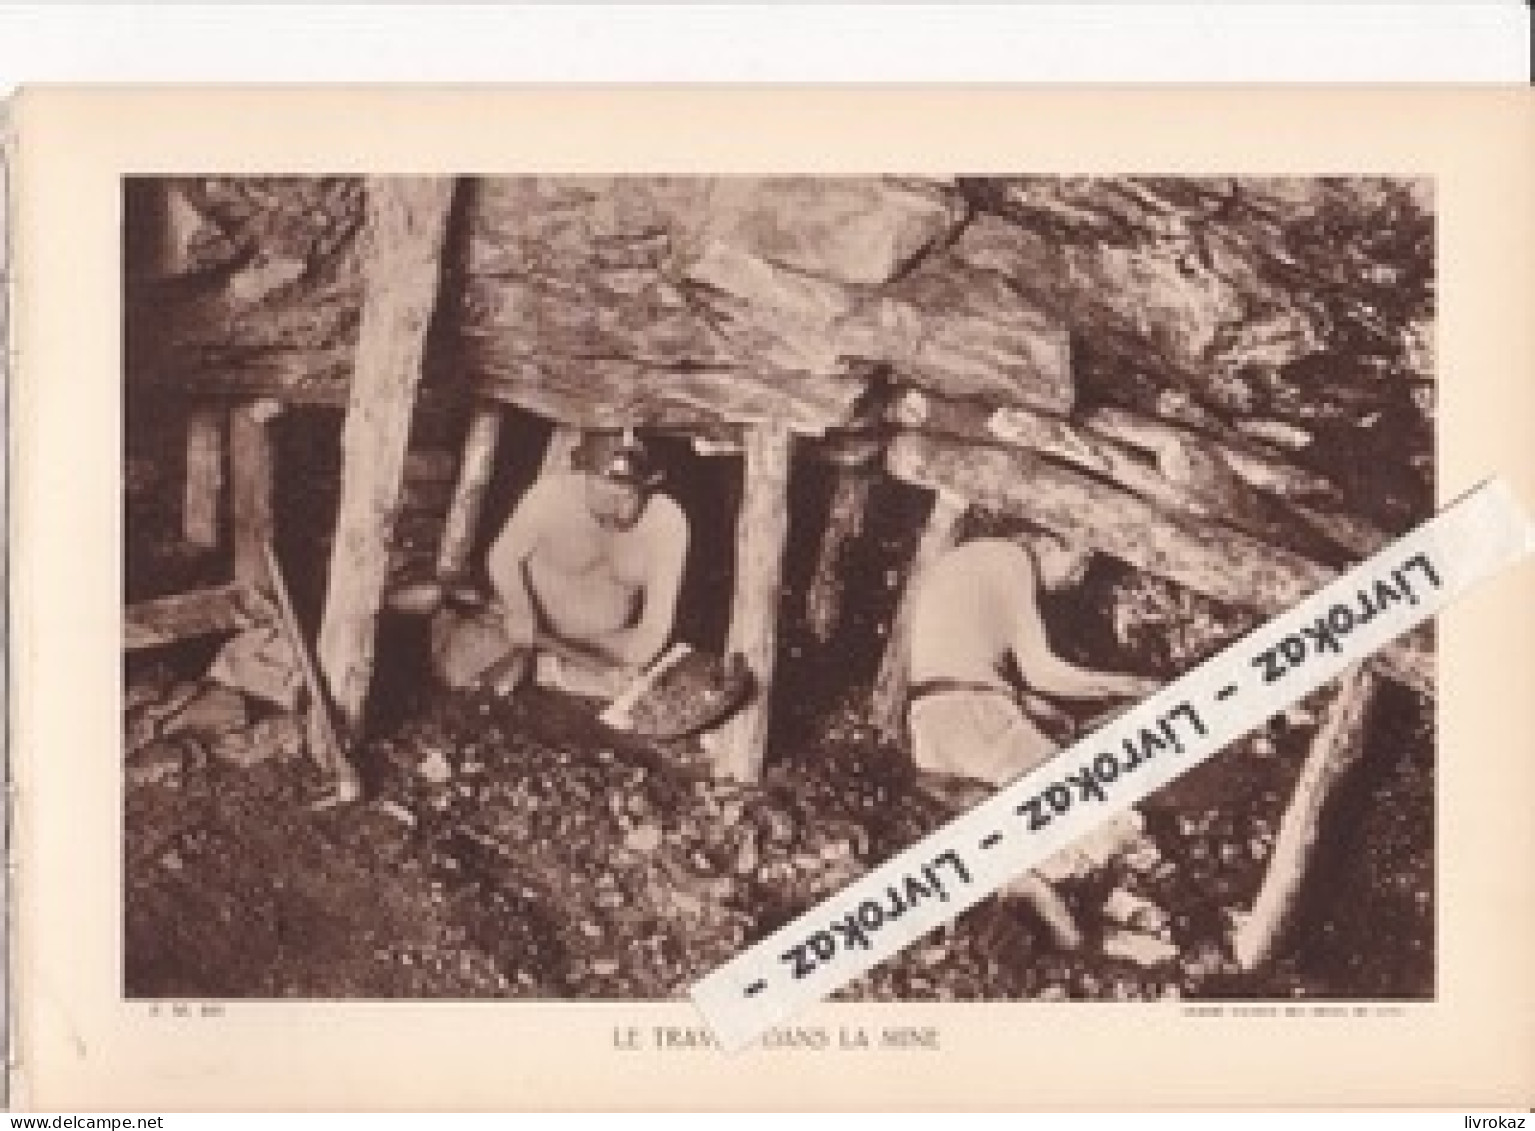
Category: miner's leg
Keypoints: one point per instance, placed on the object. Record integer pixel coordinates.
(985, 741)
(1047, 903)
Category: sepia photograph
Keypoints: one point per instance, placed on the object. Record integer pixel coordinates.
(546, 587)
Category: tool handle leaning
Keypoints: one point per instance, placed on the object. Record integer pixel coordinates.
(333, 756)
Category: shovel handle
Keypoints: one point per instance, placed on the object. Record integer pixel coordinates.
(334, 757)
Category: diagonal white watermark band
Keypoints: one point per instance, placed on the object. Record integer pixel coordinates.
(1105, 773)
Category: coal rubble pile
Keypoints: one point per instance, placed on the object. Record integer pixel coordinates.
(496, 863)
(607, 872)
(644, 872)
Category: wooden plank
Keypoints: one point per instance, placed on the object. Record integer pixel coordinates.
(888, 699)
(762, 531)
(844, 523)
(474, 472)
(1200, 554)
(204, 484)
(250, 488)
(401, 252)
(186, 616)
(1335, 748)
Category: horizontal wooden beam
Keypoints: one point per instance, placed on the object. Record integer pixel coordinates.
(574, 411)
(1200, 554)
(847, 449)
(837, 450)
(1172, 466)
(320, 377)
(307, 382)
(609, 394)
(1019, 427)
(840, 450)
(1246, 458)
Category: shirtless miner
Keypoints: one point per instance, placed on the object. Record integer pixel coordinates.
(585, 577)
(975, 626)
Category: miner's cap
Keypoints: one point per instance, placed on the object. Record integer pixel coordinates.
(620, 456)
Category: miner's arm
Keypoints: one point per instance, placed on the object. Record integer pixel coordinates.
(1048, 673)
(506, 562)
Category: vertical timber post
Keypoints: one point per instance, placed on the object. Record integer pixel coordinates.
(762, 530)
(559, 452)
(888, 700)
(1336, 746)
(204, 484)
(474, 473)
(401, 252)
(250, 489)
(823, 598)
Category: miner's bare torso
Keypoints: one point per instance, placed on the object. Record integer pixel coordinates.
(589, 579)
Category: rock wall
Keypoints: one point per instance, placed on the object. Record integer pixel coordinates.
(1289, 321)
(1223, 285)
(237, 280)
(788, 292)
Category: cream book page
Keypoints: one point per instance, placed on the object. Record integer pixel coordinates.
(483, 561)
